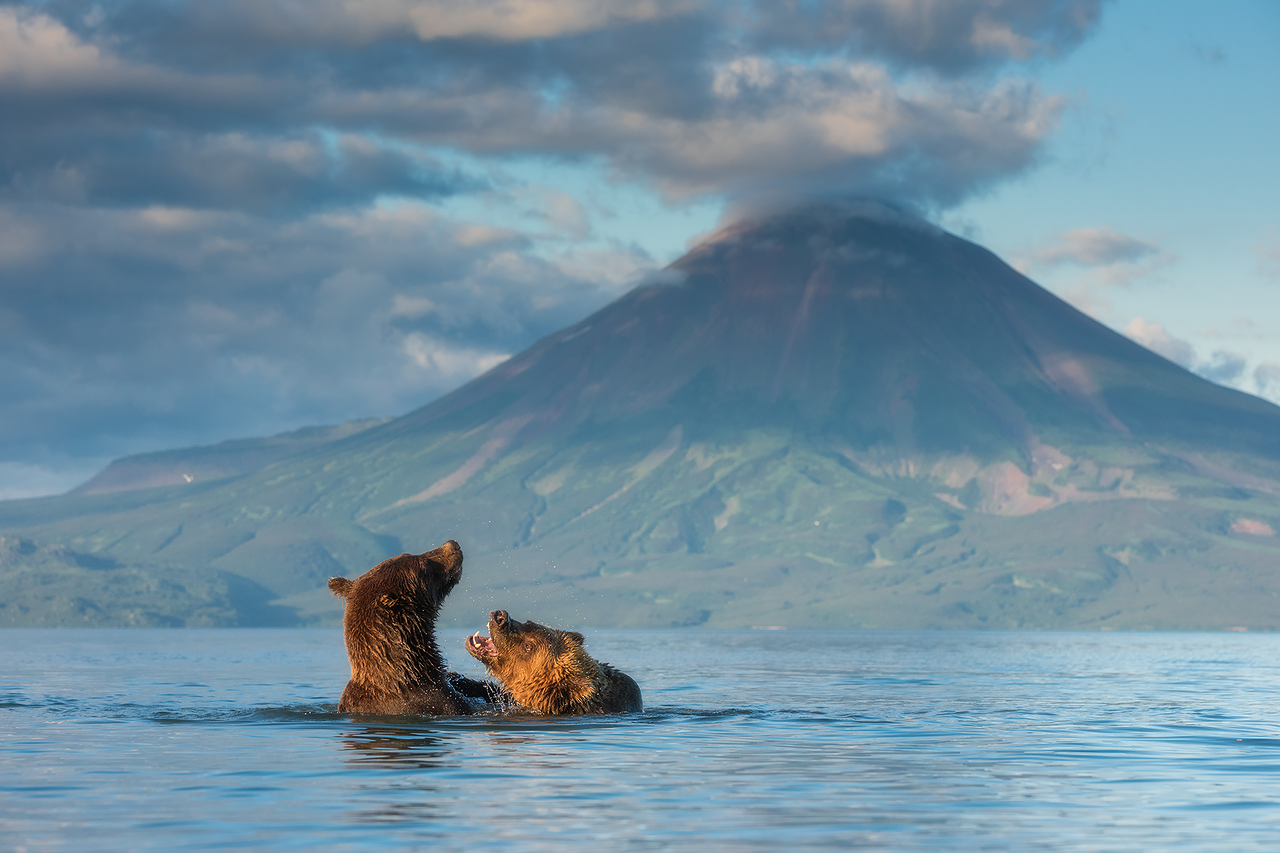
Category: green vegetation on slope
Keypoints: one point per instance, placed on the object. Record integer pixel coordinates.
(834, 419)
(765, 530)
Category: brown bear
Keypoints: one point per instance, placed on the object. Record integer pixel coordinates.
(547, 670)
(390, 629)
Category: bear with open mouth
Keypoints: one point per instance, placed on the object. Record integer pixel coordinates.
(390, 631)
(548, 671)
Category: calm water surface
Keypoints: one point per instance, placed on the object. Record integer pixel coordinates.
(752, 740)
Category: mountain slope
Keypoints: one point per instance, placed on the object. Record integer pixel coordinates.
(838, 416)
(869, 325)
(215, 462)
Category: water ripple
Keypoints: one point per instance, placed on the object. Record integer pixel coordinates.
(888, 741)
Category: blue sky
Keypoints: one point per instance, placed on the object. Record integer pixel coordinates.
(224, 220)
(1173, 144)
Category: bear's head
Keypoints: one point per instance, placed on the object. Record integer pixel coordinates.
(543, 668)
(391, 613)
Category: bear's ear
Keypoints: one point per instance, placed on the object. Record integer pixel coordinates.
(574, 637)
(388, 601)
(341, 586)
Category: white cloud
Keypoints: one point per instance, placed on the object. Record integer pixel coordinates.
(1266, 377)
(1092, 247)
(998, 37)
(563, 215)
(949, 37)
(799, 129)
(362, 21)
(1096, 247)
(1154, 337)
(455, 363)
(155, 340)
(1089, 261)
(616, 267)
(230, 218)
(1223, 367)
(37, 51)
(20, 243)
(413, 307)
(702, 109)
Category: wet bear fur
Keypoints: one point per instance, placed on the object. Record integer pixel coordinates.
(548, 671)
(390, 631)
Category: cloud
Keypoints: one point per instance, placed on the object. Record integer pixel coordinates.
(458, 364)
(1154, 337)
(1094, 260)
(1111, 258)
(167, 326)
(38, 52)
(1266, 377)
(1223, 367)
(331, 23)
(952, 37)
(218, 104)
(229, 218)
(232, 171)
(1093, 247)
(796, 129)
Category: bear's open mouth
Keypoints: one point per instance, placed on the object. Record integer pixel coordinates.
(481, 647)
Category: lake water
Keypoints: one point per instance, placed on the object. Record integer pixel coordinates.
(752, 740)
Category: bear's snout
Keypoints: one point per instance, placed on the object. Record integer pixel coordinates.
(499, 618)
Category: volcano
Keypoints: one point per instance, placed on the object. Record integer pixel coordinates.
(868, 330)
(837, 416)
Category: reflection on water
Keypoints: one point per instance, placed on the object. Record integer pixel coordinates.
(504, 739)
(410, 753)
(381, 746)
(168, 740)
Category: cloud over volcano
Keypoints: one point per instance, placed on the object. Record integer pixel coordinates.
(336, 100)
(188, 189)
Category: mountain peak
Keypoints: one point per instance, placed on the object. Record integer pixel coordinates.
(836, 415)
(819, 219)
(865, 323)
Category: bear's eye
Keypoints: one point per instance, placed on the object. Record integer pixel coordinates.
(528, 647)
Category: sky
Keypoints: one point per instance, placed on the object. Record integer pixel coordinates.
(233, 218)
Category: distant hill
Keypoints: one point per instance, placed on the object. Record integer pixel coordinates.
(213, 462)
(837, 417)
